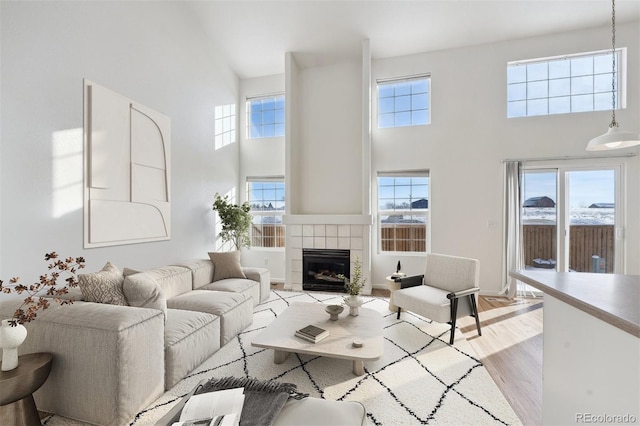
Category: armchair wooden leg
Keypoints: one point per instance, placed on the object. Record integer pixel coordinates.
(454, 315)
(399, 310)
(474, 310)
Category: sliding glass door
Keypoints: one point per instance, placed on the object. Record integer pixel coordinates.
(569, 218)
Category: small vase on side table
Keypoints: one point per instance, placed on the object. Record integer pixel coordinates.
(10, 339)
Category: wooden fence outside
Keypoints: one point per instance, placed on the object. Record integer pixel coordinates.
(585, 241)
(403, 237)
(539, 241)
(267, 235)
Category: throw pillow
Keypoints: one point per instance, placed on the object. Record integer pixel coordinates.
(226, 265)
(104, 286)
(142, 291)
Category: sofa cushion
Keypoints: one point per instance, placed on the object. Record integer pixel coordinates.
(249, 288)
(234, 309)
(142, 291)
(104, 286)
(189, 338)
(173, 280)
(201, 271)
(226, 265)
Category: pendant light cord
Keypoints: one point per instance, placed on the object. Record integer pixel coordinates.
(613, 64)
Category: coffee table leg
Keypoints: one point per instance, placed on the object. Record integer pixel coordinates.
(358, 367)
(280, 356)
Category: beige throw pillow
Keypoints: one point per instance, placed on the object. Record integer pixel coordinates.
(104, 286)
(226, 265)
(142, 291)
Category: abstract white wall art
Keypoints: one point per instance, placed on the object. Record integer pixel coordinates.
(127, 173)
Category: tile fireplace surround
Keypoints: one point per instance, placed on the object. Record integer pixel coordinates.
(347, 232)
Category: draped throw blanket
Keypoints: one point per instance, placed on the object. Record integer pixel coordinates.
(263, 399)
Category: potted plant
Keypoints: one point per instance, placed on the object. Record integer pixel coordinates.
(12, 331)
(354, 286)
(236, 221)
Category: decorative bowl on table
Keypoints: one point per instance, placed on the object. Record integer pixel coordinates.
(334, 311)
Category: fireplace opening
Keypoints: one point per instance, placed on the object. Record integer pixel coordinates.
(321, 267)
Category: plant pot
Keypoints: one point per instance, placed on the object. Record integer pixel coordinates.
(354, 303)
(10, 339)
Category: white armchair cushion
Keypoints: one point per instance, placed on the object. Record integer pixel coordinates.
(430, 302)
(451, 273)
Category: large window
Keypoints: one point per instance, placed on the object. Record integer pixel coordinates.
(267, 200)
(404, 102)
(265, 117)
(558, 85)
(569, 218)
(403, 209)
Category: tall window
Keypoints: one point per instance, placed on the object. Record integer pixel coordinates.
(225, 125)
(403, 209)
(573, 83)
(265, 117)
(404, 102)
(267, 201)
(569, 218)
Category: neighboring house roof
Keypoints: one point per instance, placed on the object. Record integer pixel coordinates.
(602, 206)
(422, 203)
(543, 201)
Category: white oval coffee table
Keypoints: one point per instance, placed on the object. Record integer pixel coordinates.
(366, 327)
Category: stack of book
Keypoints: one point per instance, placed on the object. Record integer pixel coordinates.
(312, 333)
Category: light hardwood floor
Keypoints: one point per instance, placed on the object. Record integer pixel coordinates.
(511, 350)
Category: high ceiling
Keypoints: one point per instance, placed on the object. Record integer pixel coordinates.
(254, 35)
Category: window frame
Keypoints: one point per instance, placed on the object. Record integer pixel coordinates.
(278, 121)
(224, 125)
(421, 212)
(398, 81)
(267, 213)
(600, 98)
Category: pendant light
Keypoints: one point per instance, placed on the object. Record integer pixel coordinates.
(614, 138)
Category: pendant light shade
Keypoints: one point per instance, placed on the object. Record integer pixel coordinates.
(614, 138)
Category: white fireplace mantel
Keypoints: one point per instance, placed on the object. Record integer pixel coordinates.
(328, 219)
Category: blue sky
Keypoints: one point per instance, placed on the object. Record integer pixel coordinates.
(585, 187)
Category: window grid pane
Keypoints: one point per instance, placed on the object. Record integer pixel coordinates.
(558, 86)
(265, 117)
(267, 201)
(404, 103)
(224, 125)
(403, 207)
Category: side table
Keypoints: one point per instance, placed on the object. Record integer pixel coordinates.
(17, 406)
(392, 285)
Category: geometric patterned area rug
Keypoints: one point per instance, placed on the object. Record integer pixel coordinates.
(420, 379)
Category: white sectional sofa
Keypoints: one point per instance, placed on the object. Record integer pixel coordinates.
(110, 361)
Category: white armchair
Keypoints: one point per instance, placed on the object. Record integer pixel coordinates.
(446, 292)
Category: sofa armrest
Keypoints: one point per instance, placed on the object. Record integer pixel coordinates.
(412, 281)
(261, 275)
(108, 360)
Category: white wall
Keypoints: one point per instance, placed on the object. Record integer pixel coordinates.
(470, 136)
(330, 169)
(148, 51)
